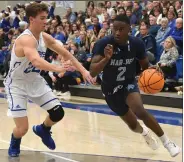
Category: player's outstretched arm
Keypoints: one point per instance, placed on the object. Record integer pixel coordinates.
(28, 45)
(56, 47)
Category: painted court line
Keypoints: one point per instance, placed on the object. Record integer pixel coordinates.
(60, 157)
(46, 153)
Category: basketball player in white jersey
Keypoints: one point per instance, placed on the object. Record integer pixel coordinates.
(24, 81)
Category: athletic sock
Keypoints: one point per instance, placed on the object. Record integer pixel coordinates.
(145, 130)
(164, 139)
(15, 137)
(45, 127)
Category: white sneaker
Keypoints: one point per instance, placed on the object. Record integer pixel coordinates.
(150, 140)
(172, 148)
(68, 94)
(54, 91)
(59, 93)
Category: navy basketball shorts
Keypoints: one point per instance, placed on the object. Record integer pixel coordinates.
(117, 101)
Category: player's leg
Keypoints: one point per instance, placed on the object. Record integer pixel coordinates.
(52, 105)
(117, 103)
(19, 131)
(44, 130)
(56, 114)
(21, 127)
(17, 110)
(130, 119)
(150, 121)
(142, 114)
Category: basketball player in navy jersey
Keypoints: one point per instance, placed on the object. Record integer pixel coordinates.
(116, 56)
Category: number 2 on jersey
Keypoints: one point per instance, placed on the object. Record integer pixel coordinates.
(120, 76)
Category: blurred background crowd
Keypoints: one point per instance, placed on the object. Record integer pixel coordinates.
(158, 23)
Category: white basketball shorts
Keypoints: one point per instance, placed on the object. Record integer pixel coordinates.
(18, 93)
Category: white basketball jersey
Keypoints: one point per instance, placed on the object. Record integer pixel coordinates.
(21, 69)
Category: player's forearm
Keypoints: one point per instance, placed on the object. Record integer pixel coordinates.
(68, 56)
(144, 63)
(77, 65)
(96, 68)
(44, 65)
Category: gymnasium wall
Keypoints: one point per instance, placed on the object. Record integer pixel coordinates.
(78, 5)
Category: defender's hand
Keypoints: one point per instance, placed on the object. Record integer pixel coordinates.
(87, 77)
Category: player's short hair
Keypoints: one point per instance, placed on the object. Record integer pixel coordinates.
(122, 18)
(33, 9)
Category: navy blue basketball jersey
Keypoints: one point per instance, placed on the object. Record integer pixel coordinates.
(121, 68)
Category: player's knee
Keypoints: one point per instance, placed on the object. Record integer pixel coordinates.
(142, 115)
(56, 113)
(22, 131)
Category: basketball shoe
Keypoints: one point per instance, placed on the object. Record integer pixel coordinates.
(150, 140)
(45, 135)
(14, 149)
(172, 148)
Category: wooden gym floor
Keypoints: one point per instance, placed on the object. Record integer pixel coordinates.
(90, 132)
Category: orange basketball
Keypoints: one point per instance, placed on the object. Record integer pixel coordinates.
(151, 81)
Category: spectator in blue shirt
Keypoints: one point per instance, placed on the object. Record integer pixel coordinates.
(89, 25)
(60, 35)
(77, 37)
(171, 17)
(137, 10)
(51, 10)
(16, 20)
(153, 26)
(6, 23)
(161, 35)
(132, 17)
(150, 43)
(2, 56)
(163, 31)
(177, 33)
(71, 16)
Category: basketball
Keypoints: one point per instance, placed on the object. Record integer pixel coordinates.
(151, 81)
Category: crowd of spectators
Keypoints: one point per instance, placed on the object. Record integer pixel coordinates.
(158, 23)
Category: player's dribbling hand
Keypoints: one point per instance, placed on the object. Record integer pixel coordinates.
(108, 51)
(157, 67)
(88, 78)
